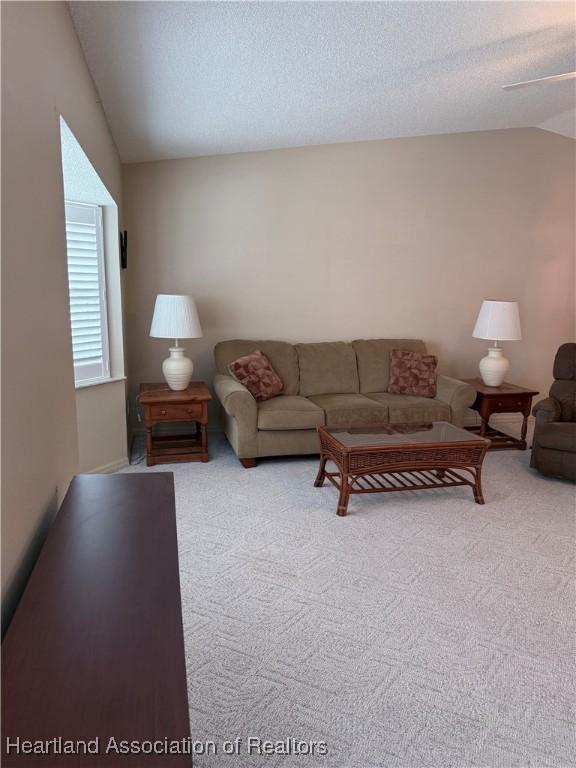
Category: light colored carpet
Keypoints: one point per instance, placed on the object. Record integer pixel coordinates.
(421, 630)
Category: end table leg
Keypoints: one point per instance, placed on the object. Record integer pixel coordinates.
(204, 441)
(149, 459)
(342, 510)
(478, 495)
(523, 431)
(319, 482)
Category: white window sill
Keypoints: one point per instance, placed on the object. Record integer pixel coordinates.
(99, 382)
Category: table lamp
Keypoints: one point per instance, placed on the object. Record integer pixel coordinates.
(498, 321)
(175, 317)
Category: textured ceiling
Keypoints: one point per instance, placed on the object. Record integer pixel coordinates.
(199, 78)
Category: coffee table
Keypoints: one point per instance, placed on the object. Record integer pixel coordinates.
(401, 457)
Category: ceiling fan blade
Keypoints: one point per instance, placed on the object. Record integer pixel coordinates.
(551, 79)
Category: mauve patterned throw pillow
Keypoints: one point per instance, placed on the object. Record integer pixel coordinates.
(257, 375)
(412, 373)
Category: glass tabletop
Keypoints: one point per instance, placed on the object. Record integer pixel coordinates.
(403, 434)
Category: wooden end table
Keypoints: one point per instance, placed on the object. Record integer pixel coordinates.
(507, 398)
(163, 405)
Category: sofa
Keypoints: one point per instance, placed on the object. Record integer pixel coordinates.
(335, 384)
(554, 444)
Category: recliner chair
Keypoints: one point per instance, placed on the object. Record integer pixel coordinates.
(554, 446)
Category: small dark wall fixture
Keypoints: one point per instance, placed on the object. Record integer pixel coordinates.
(124, 249)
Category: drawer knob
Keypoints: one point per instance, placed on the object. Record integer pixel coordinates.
(163, 412)
(500, 405)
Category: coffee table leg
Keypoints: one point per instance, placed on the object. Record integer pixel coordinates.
(319, 482)
(344, 496)
(478, 495)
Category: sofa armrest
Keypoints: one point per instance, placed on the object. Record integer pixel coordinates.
(240, 415)
(547, 410)
(457, 394)
(236, 400)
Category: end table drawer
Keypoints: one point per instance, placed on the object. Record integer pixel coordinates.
(177, 412)
(507, 404)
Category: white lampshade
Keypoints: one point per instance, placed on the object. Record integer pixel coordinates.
(498, 321)
(175, 317)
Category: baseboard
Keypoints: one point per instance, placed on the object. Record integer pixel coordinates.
(108, 469)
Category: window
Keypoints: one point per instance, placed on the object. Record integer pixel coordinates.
(87, 288)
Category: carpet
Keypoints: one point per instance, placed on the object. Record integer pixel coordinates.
(421, 630)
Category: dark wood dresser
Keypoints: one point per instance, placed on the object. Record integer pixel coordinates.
(95, 650)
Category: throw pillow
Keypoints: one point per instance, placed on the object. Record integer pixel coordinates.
(412, 373)
(256, 373)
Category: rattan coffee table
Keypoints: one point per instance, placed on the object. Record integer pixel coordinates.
(401, 457)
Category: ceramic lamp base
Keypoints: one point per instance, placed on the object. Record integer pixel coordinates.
(494, 367)
(177, 369)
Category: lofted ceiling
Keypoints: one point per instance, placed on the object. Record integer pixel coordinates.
(180, 79)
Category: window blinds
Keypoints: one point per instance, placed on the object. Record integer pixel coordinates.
(87, 288)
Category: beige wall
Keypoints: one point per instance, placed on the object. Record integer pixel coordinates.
(375, 239)
(101, 414)
(43, 75)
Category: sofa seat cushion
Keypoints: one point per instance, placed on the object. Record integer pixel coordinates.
(410, 408)
(558, 435)
(327, 368)
(351, 411)
(289, 412)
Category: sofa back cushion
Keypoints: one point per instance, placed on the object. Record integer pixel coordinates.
(327, 368)
(282, 357)
(564, 388)
(565, 362)
(373, 357)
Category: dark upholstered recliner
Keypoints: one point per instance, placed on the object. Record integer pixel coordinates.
(554, 447)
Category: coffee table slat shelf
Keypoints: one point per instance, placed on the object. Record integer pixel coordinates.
(402, 457)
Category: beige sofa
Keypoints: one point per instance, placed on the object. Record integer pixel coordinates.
(334, 384)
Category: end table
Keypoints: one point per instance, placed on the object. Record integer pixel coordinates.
(507, 398)
(163, 405)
